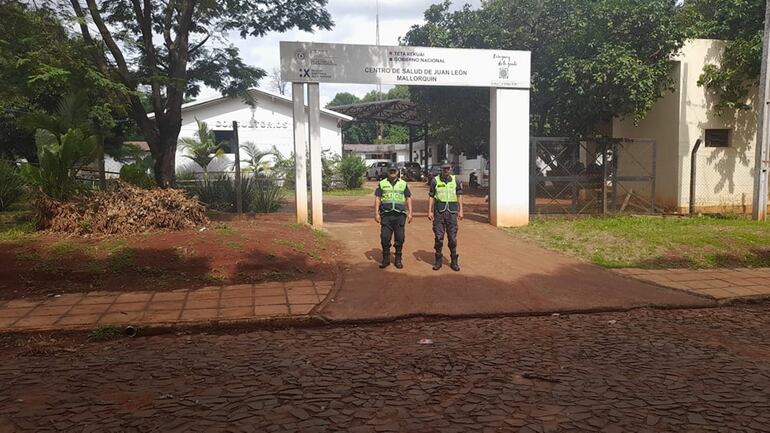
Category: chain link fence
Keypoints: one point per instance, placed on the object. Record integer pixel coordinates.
(571, 176)
(724, 181)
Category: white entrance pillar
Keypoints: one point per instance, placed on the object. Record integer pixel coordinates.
(316, 166)
(509, 157)
(300, 149)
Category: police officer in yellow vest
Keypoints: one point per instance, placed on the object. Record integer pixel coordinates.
(392, 209)
(444, 209)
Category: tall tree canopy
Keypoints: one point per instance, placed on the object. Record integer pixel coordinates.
(167, 49)
(592, 60)
(41, 62)
(741, 24)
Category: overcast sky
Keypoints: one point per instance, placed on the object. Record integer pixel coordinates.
(354, 22)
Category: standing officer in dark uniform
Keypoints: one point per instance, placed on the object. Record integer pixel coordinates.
(444, 208)
(392, 209)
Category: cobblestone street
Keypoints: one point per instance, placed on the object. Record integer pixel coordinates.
(642, 371)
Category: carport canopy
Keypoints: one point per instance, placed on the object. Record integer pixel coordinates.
(393, 111)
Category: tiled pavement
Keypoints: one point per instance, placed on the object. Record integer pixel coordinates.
(644, 371)
(220, 303)
(719, 284)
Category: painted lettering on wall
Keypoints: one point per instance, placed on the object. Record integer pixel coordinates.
(252, 124)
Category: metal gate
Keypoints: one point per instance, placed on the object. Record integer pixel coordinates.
(570, 176)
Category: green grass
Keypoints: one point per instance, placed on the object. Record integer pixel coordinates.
(104, 333)
(212, 277)
(21, 232)
(235, 246)
(298, 247)
(656, 242)
(109, 246)
(349, 192)
(63, 248)
(121, 259)
(16, 226)
(225, 229)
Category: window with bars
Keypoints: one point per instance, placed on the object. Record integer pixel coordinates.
(717, 138)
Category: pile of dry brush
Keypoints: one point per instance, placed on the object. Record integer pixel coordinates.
(122, 209)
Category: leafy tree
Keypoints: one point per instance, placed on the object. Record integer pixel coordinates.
(741, 23)
(203, 149)
(593, 60)
(343, 98)
(41, 62)
(165, 49)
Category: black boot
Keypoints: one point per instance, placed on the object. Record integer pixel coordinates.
(385, 260)
(437, 263)
(398, 263)
(455, 267)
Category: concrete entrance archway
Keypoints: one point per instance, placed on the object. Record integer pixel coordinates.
(506, 73)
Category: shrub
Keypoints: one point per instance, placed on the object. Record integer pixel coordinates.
(138, 173)
(260, 194)
(11, 184)
(60, 159)
(267, 196)
(352, 169)
(285, 170)
(214, 193)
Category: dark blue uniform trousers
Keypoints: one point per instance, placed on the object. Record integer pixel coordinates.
(392, 226)
(445, 222)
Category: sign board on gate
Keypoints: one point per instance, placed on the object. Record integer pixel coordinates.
(311, 62)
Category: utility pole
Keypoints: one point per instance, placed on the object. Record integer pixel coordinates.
(759, 208)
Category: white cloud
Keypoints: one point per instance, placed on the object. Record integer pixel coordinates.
(354, 23)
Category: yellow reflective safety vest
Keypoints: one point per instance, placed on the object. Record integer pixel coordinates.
(446, 194)
(393, 198)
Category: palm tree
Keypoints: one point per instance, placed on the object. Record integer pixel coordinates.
(256, 157)
(203, 149)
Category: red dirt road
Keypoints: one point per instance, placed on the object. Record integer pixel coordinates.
(500, 273)
(232, 250)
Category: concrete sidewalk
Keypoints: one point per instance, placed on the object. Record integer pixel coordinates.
(720, 284)
(500, 273)
(243, 302)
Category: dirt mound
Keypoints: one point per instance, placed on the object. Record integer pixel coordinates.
(122, 209)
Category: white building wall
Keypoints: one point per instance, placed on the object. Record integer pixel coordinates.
(267, 125)
(724, 175)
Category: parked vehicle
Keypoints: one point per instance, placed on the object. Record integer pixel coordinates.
(410, 171)
(432, 171)
(378, 170)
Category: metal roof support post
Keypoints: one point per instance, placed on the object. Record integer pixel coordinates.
(411, 143)
(316, 165)
(300, 150)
